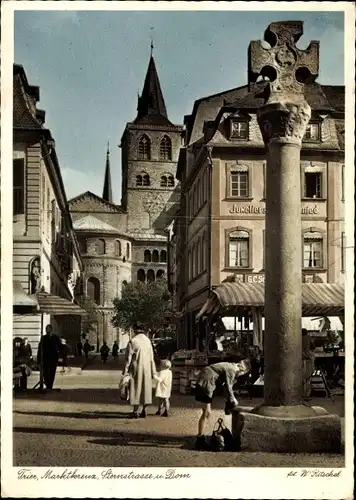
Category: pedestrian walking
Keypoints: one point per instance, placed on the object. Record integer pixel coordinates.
(164, 387)
(140, 365)
(79, 348)
(219, 373)
(104, 351)
(86, 348)
(47, 356)
(115, 350)
(64, 354)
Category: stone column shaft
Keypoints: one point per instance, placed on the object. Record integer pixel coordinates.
(283, 341)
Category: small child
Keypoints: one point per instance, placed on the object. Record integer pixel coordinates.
(164, 387)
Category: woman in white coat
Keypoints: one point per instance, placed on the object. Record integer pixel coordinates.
(140, 366)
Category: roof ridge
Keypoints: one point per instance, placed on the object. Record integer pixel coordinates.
(90, 193)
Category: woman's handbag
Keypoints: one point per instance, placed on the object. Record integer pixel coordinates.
(124, 387)
(222, 439)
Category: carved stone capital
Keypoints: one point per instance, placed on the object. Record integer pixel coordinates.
(284, 121)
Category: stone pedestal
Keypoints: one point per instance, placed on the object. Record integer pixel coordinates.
(320, 433)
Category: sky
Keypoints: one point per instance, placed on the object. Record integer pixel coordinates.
(90, 65)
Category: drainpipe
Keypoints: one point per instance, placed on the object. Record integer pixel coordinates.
(210, 163)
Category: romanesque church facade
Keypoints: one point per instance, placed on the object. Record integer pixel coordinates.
(121, 243)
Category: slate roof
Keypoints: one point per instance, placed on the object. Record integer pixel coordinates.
(90, 223)
(107, 191)
(336, 96)
(89, 194)
(314, 95)
(320, 98)
(23, 116)
(151, 108)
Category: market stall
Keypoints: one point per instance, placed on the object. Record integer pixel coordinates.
(244, 304)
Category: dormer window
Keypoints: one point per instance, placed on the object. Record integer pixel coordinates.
(312, 133)
(239, 129)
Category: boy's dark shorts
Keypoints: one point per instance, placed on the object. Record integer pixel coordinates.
(201, 396)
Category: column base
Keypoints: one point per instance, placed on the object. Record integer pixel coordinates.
(316, 433)
(290, 411)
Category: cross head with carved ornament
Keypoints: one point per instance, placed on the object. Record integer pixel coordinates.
(286, 67)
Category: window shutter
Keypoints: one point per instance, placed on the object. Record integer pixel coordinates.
(18, 186)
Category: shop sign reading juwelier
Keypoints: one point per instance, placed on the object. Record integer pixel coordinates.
(254, 209)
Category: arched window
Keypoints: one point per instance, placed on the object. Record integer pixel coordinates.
(150, 275)
(147, 256)
(127, 250)
(93, 289)
(155, 256)
(160, 274)
(139, 180)
(141, 275)
(170, 181)
(164, 181)
(146, 180)
(144, 148)
(239, 249)
(100, 246)
(165, 150)
(163, 256)
(118, 248)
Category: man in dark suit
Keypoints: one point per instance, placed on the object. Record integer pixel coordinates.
(47, 356)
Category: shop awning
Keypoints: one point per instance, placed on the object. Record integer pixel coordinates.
(23, 303)
(318, 299)
(58, 306)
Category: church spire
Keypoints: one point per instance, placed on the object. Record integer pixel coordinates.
(107, 192)
(151, 102)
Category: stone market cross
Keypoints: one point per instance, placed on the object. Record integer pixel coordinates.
(284, 422)
(286, 66)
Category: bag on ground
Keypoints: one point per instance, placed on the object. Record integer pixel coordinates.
(222, 438)
(217, 441)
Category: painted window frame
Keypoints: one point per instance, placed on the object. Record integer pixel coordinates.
(249, 239)
(315, 235)
(236, 136)
(238, 168)
(315, 139)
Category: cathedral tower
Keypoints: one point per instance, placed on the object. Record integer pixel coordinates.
(150, 147)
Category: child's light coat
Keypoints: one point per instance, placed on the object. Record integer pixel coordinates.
(164, 383)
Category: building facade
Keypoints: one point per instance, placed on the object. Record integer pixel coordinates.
(128, 242)
(45, 251)
(150, 193)
(106, 251)
(220, 228)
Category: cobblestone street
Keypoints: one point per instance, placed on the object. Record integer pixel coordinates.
(86, 424)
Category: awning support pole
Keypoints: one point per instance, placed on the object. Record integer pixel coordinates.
(41, 367)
